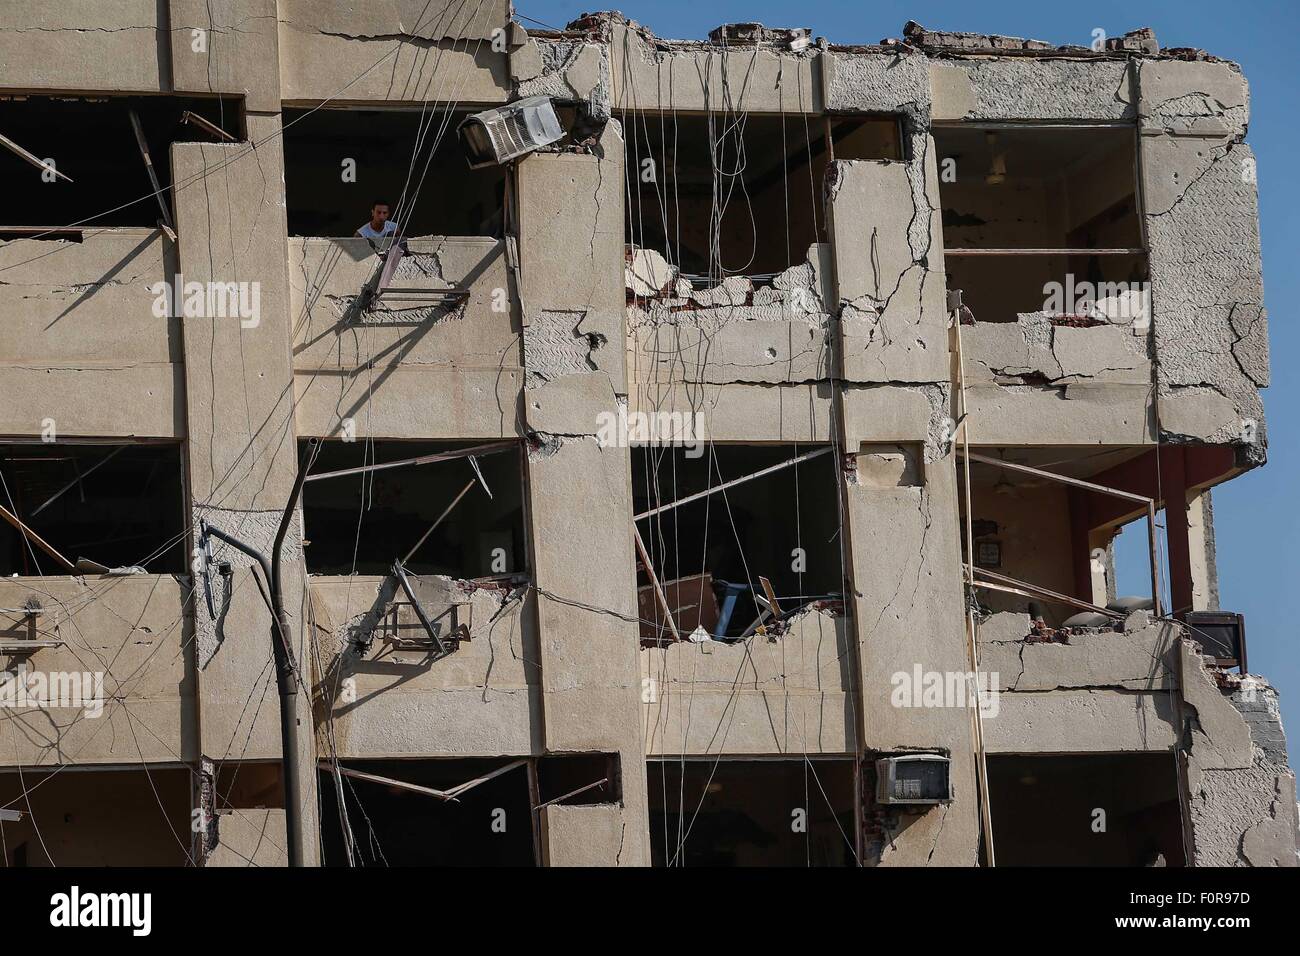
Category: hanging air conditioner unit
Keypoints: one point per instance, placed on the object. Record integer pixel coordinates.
(913, 778)
(499, 135)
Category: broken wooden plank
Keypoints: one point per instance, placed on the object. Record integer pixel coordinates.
(30, 157)
(210, 128)
(471, 784)
(76, 481)
(572, 793)
(489, 449)
(735, 481)
(35, 538)
(386, 781)
(771, 596)
(1016, 586)
(445, 511)
(654, 581)
(451, 794)
(153, 177)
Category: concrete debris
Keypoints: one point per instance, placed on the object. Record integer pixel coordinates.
(918, 35)
(1142, 40)
(755, 34)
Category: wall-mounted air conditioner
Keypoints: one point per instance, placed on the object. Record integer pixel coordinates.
(499, 135)
(913, 778)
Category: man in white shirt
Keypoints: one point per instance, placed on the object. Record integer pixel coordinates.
(379, 225)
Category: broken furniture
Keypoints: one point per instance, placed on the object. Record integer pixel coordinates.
(380, 284)
(444, 590)
(701, 602)
(691, 604)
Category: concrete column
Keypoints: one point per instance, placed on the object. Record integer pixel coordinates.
(580, 493)
(1198, 183)
(1080, 546)
(905, 553)
(1173, 484)
(242, 450)
(1200, 538)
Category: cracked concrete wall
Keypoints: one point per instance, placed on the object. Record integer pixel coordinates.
(1146, 688)
(741, 411)
(135, 630)
(419, 50)
(649, 75)
(1084, 413)
(144, 46)
(1140, 657)
(907, 605)
(1202, 223)
(104, 46)
(1081, 721)
(787, 694)
(1033, 382)
(78, 320)
(905, 572)
(752, 361)
(573, 299)
(236, 49)
(238, 385)
(587, 836)
(568, 70)
(237, 689)
(1027, 88)
(1034, 349)
(1093, 691)
(580, 493)
(238, 697)
(733, 333)
(888, 265)
(411, 370)
(250, 837)
(482, 699)
(884, 221)
(1242, 808)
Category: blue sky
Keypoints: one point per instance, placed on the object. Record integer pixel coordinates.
(1257, 516)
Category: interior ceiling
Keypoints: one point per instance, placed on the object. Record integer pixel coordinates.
(1073, 461)
(1031, 153)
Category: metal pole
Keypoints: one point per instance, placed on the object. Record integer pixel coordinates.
(286, 667)
(287, 675)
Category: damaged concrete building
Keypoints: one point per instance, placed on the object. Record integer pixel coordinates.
(729, 478)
